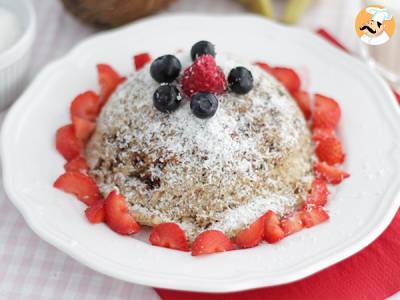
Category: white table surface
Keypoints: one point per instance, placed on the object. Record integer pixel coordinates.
(32, 269)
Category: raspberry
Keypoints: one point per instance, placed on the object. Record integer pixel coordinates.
(203, 76)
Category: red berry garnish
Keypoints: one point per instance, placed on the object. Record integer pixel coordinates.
(169, 235)
(326, 112)
(78, 164)
(319, 193)
(80, 185)
(117, 215)
(67, 144)
(252, 235)
(211, 241)
(330, 150)
(273, 231)
(329, 173)
(203, 76)
(95, 213)
(140, 60)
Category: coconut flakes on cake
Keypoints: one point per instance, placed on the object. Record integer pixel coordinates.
(221, 173)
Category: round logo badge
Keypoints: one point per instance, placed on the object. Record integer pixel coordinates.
(375, 25)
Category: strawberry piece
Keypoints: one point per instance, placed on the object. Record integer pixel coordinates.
(83, 128)
(272, 229)
(326, 112)
(319, 193)
(80, 185)
(252, 235)
(203, 75)
(264, 66)
(292, 223)
(117, 215)
(287, 77)
(96, 213)
(169, 235)
(85, 106)
(78, 164)
(67, 144)
(312, 216)
(319, 134)
(330, 174)
(330, 150)
(109, 79)
(140, 60)
(211, 241)
(303, 101)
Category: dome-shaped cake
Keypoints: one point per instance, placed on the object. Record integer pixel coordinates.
(221, 173)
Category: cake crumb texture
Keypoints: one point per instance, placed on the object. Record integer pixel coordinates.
(222, 173)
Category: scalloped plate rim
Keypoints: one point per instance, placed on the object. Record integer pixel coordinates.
(231, 286)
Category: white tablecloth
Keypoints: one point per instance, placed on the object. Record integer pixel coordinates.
(32, 269)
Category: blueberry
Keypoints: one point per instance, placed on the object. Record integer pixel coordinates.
(167, 98)
(165, 68)
(204, 105)
(240, 80)
(202, 48)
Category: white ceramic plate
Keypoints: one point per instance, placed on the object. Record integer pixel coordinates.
(360, 208)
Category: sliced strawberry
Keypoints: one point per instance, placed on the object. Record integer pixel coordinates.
(292, 223)
(211, 241)
(319, 193)
(83, 128)
(330, 150)
(117, 215)
(264, 66)
(80, 185)
(287, 77)
(67, 143)
(86, 106)
(109, 79)
(330, 174)
(304, 102)
(319, 134)
(78, 164)
(312, 216)
(96, 213)
(252, 235)
(272, 229)
(326, 112)
(140, 60)
(169, 235)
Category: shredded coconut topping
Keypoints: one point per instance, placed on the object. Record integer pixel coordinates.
(221, 173)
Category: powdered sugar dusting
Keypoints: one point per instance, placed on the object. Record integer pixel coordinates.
(242, 216)
(222, 173)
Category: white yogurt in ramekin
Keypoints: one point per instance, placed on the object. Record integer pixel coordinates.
(17, 32)
(10, 29)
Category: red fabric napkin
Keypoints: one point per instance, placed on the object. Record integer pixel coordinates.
(397, 96)
(373, 273)
(327, 36)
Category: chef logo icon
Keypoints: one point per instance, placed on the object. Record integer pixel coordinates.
(375, 25)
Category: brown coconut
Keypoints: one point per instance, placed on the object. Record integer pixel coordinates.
(112, 13)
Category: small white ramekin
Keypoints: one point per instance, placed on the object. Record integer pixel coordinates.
(15, 60)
